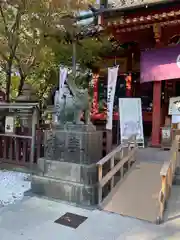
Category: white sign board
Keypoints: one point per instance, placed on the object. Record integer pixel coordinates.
(130, 112)
(166, 133)
(174, 106)
(9, 125)
(175, 119)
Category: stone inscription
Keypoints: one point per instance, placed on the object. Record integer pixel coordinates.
(49, 147)
(73, 144)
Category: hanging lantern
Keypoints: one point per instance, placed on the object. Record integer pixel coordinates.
(128, 85)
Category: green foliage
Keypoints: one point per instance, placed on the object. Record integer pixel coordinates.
(14, 86)
(33, 42)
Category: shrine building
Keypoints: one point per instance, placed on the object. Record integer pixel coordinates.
(147, 37)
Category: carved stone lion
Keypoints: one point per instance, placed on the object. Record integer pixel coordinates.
(72, 104)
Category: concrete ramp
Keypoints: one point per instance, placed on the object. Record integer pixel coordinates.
(137, 194)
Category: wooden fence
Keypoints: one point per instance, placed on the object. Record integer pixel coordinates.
(16, 148)
(113, 167)
(167, 174)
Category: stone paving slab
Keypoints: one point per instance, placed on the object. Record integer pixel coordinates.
(151, 155)
(33, 219)
(173, 211)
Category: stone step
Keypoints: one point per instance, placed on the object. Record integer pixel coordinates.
(85, 174)
(177, 180)
(178, 171)
(65, 190)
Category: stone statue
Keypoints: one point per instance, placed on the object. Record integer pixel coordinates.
(73, 102)
(71, 151)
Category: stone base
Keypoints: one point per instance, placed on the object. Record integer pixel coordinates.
(80, 144)
(68, 170)
(64, 190)
(84, 174)
(66, 181)
(176, 180)
(177, 171)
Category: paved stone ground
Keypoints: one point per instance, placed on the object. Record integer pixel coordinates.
(33, 219)
(152, 155)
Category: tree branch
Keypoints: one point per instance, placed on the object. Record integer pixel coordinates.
(17, 21)
(3, 56)
(4, 21)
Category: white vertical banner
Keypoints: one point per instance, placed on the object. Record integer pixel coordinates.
(56, 97)
(112, 79)
(62, 78)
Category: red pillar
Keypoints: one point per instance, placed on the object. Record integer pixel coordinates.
(156, 117)
(95, 94)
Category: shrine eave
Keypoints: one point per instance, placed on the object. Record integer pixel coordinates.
(109, 12)
(142, 13)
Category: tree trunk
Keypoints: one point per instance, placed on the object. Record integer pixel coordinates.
(22, 80)
(8, 84)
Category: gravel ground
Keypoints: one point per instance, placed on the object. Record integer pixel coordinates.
(12, 186)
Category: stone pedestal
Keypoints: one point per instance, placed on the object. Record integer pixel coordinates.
(68, 171)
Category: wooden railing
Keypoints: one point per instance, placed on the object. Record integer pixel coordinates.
(168, 172)
(113, 167)
(16, 148)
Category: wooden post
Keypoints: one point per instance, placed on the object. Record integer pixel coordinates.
(156, 117)
(112, 179)
(100, 187)
(33, 140)
(129, 163)
(74, 58)
(108, 141)
(122, 171)
(163, 199)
